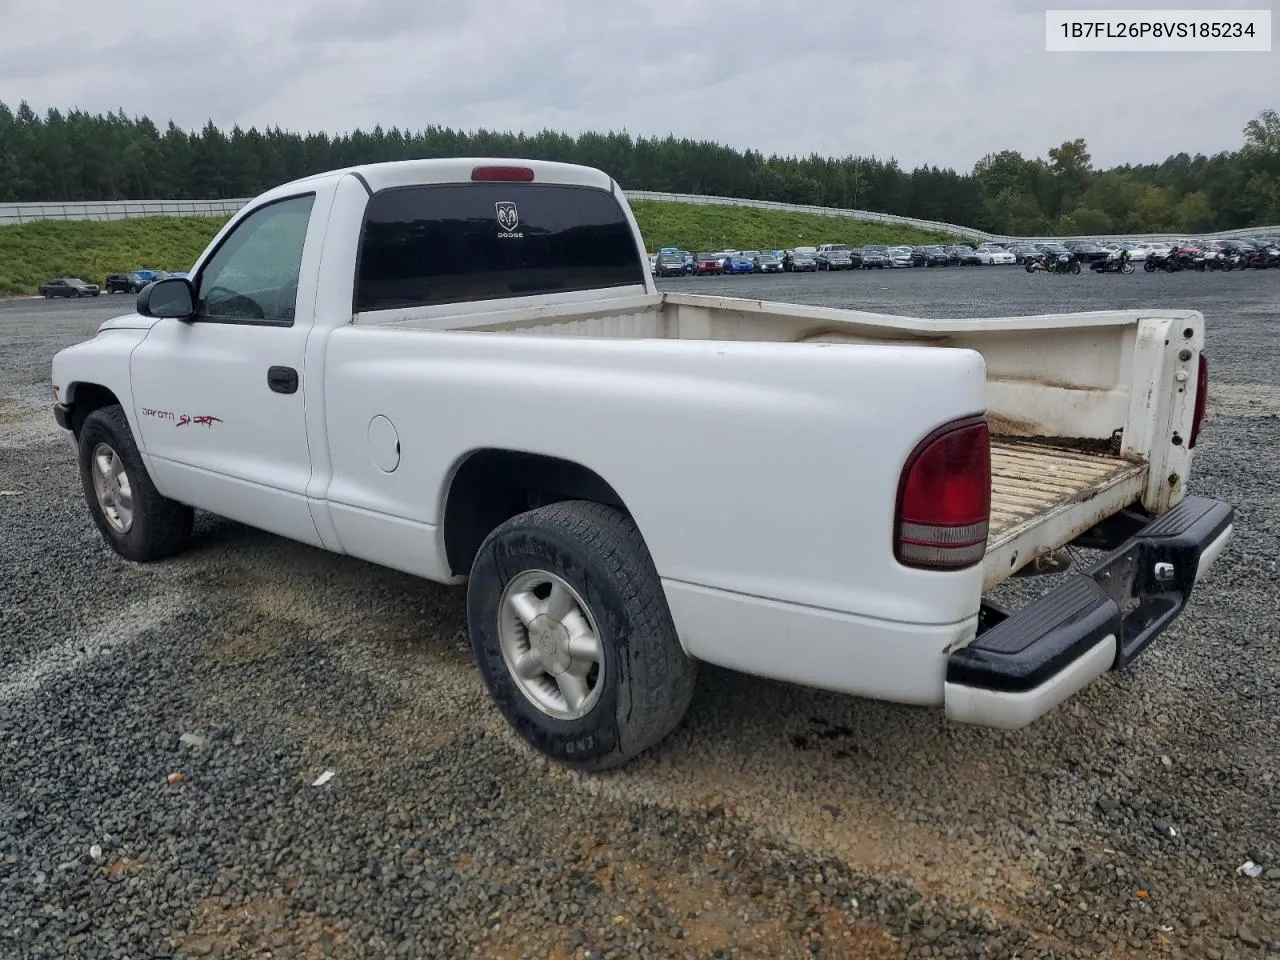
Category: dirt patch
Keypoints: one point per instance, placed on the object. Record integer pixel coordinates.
(23, 422)
(259, 927)
(124, 865)
(1247, 400)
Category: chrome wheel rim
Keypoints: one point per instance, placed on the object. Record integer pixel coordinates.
(112, 488)
(551, 644)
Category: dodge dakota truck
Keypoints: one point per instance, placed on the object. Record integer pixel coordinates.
(462, 369)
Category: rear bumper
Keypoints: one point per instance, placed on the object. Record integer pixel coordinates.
(1028, 662)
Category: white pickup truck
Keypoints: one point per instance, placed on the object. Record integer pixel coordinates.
(462, 369)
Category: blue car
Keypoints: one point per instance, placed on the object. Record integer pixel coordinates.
(739, 264)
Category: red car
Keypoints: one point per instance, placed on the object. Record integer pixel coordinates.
(707, 263)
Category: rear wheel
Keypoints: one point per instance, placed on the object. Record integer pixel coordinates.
(137, 521)
(572, 633)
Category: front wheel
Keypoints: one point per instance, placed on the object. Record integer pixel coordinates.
(137, 521)
(572, 633)
(1031, 267)
(1149, 267)
(1127, 268)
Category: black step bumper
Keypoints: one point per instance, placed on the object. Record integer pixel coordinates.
(1025, 663)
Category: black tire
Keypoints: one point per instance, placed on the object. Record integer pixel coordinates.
(160, 527)
(648, 680)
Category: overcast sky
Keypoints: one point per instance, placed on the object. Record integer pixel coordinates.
(926, 81)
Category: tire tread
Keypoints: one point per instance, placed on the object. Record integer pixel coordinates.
(161, 527)
(659, 677)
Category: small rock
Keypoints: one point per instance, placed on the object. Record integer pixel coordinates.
(1108, 804)
(1273, 873)
(175, 777)
(1247, 936)
(193, 740)
(95, 853)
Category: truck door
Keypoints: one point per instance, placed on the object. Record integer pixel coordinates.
(219, 398)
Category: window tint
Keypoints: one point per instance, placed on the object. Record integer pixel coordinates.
(254, 274)
(451, 243)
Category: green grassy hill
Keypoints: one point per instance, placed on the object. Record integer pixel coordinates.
(709, 227)
(32, 253)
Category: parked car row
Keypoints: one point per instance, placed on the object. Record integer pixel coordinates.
(672, 262)
(1257, 252)
(130, 282)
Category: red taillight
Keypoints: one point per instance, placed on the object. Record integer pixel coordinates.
(502, 174)
(1202, 400)
(944, 498)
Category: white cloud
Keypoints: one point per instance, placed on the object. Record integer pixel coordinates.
(926, 81)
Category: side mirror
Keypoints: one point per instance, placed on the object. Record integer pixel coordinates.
(170, 298)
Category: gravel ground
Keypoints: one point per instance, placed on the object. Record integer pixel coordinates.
(777, 822)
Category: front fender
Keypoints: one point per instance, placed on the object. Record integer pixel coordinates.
(84, 372)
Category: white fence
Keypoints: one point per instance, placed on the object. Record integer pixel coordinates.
(11, 213)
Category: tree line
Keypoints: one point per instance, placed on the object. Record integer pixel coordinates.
(74, 155)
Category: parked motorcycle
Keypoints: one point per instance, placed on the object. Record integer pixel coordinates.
(1061, 263)
(1169, 262)
(1191, 258)
(1263, 259)
(1116, 263)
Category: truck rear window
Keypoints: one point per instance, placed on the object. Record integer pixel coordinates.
(458, 242)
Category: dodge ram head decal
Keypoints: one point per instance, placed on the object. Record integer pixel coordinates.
(508, 218)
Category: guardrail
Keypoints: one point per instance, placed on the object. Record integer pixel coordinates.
(11, 213)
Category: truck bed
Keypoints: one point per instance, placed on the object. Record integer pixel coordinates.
(1043, 496)
(1059, 387)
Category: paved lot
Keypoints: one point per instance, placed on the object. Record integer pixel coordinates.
(777, 822)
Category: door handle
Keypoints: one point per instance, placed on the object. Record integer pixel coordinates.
(282, 379)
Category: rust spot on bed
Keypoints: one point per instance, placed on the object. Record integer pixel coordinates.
(1048, 382)
(1002, 426)
(863, 333)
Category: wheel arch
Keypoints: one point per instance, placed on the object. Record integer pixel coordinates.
(490, 485)
(84, 397)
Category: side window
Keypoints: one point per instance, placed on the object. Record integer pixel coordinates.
(254, 274)
(453, 243)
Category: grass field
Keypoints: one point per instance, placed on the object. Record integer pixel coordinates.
(695, 226)
(33, 253)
